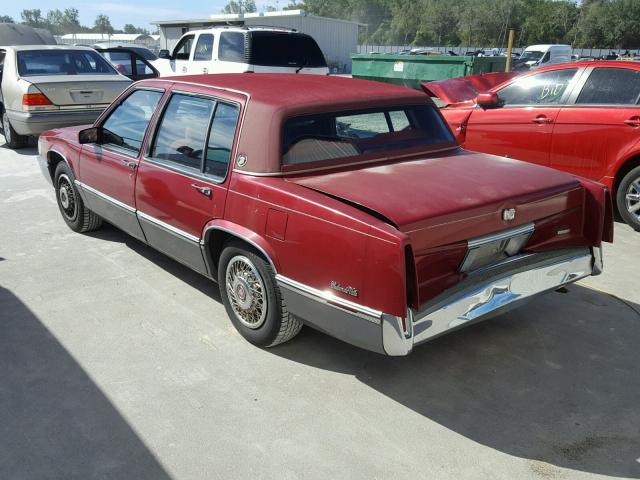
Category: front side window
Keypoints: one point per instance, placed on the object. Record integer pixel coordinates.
(231, 47)
(220, 144)
(547, 88)
(611, 86)
(126, 125)
(183, 49)
(356, 134)
(204, 47)
(62, 62)
(182, 132)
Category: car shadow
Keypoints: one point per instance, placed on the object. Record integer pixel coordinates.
(205, 285)
(556, 381)
(54, 421)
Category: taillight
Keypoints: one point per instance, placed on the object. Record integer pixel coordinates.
(36, 101)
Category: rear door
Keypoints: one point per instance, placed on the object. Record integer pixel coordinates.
(107, 173)
(231, 53)
(600, 124)
(521, 128)
(182, 183)
(202, 55)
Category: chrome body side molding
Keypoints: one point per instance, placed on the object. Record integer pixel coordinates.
(112, 210)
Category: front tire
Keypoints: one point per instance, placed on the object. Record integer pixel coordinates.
(79, 218)
(11, 137)
(252, 298)
(628, 198)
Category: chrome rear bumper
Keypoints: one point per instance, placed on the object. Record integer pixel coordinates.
(489, 295)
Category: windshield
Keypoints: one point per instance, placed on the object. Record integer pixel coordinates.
(284, 49)
(62, 62)
(367, 133)
(529, 55)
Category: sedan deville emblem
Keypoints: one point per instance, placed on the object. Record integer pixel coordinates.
(508, 214)
(348, 290)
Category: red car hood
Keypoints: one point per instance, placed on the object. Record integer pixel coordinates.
(448, 198)
(465, 89)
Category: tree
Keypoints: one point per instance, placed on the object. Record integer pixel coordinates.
(102, 24)
(6, 19)
(33, 18)
(240, 6)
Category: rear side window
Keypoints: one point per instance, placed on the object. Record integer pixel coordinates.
(220, 144)
(547, 88)
(62, 62)
(204, 47)
(611, 86)
(126, 125)
(232, 47)
(328, 136)
(183, 49)
(182, 131)
(284, 49)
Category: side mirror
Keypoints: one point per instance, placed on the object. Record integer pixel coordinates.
(90, 135)
(488, 100)
(164, 53)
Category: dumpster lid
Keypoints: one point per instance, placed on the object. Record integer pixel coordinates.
(465, 89)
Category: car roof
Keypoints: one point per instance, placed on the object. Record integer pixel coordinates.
(273, 98)
(301, 89)
(19, 48)
(588, 63)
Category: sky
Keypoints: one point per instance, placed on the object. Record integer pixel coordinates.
(137, 12)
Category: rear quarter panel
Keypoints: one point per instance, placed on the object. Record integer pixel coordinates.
(318, 240)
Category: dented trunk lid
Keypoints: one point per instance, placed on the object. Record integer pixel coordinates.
(465, 89)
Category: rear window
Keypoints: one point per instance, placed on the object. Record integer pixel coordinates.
(62, 62)
(370, 133)
(284, 49)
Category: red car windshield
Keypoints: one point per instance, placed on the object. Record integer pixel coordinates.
(366, 133)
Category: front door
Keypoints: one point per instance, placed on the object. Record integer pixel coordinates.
(521, 128)
(182, 184)
(107, 173)
(181, 54)
(202, 55)
(600, 126)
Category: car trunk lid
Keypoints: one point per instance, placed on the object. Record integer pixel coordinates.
(80, 90)
(442, 202)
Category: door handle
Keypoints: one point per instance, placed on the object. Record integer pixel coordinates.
(633, 122)
(203, 190)
(205, 70)
(184, 69)
(542, 120)
(131, 165)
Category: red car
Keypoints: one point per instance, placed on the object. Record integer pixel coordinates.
(582, 118)
(343, 204)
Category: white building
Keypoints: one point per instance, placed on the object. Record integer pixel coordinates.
(114, 39)
(338, 39)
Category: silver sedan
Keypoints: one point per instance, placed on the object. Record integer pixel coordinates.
(50, 86)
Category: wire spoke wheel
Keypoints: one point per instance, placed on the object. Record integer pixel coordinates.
(246, 291)
(632, 198)
(67, 197)
(6, 129)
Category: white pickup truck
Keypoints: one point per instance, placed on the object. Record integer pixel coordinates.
(242, 49)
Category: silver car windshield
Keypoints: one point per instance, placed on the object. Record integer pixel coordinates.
(62, 62)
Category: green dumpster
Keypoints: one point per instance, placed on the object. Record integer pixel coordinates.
(410, 70)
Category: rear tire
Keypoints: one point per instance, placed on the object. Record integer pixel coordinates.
(12, 139)
(75, 214)
(628, 198)
(252, 298)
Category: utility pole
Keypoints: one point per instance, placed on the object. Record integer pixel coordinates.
(509, 51)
